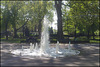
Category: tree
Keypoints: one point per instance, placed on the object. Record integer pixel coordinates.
(28, 13)
(59, 21)
(41, 9)
(6, 19)
(14, 17)
(27, 32)
(84, 14)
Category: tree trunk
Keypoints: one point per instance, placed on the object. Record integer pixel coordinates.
(35, 28)
(88, 35)
(6, 25)
(39, 28)
(23, 31)
(15, 33)
(59, 24)
(75, 31)
(15, 30)
(93, 35)
(23, 25)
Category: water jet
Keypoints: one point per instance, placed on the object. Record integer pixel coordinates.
(45, 49)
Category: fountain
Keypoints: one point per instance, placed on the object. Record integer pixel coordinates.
(45, 49)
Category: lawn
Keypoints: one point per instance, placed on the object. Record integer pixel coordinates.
(12, 40)
(83, 38)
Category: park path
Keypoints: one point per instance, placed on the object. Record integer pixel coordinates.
(89, 56)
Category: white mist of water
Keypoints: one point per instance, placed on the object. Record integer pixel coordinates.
(45, 37)
(45, 47)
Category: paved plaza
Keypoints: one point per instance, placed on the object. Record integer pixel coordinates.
(89, 56)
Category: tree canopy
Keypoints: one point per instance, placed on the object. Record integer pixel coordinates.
(73, 17)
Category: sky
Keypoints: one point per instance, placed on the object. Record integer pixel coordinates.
(54, 23)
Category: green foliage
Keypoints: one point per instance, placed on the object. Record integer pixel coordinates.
(5, 16)
(82, 14)
(84, 38)
(15, 13)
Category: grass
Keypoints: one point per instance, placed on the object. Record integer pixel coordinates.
(84, 38)
(96, 40)
(54, 39)
(12, 40)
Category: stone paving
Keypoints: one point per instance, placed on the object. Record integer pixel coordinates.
(89, 56)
